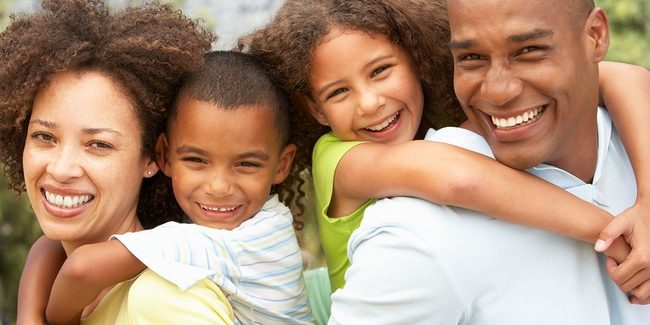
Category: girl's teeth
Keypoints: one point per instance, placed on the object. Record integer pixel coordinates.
(384, 124)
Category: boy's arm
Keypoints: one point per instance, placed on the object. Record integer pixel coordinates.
(629, 107)
(43, 262)
(88, 270)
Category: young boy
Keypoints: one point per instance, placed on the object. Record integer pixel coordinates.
(226, 145)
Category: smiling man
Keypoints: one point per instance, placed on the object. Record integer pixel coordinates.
(526, 74)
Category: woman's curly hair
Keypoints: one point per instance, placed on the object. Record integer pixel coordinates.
(146, 49)
(419, 26)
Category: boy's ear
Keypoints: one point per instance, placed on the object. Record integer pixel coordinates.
(162, 154)
(284, 163)
(313, 108)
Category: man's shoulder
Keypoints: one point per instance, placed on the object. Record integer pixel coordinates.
(460, 137)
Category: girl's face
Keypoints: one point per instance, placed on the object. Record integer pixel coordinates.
(83, 161)
(365, 88)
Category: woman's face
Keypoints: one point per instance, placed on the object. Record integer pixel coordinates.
(83, 161)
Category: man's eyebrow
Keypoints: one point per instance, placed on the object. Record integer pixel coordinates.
(535, 34)
(518, 38)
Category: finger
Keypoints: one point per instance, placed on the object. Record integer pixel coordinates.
(630, 273)
(641, 294)
(634, 283)
(617, 227)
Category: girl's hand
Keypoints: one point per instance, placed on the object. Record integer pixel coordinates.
(633, 274)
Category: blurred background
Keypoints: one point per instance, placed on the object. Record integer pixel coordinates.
(630, 42)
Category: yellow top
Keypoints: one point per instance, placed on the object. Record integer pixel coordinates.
(150, 299)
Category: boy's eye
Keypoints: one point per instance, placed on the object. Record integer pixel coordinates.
(195, 160)
(249, 164)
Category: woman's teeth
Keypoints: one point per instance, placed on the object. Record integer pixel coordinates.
(517, 120)
(66, 202)
(383, 125)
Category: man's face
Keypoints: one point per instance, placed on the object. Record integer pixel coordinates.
(525, 76)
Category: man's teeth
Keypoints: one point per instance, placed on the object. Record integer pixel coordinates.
(516, 120)
(383, 124)
(66, 201)
(204, 207)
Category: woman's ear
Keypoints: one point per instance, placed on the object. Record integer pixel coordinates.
(162, 154)
(314, 109)
(150, 169)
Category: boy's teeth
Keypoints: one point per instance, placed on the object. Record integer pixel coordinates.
(217, 208)
(66, 202)
(516, 120)
(383, 124)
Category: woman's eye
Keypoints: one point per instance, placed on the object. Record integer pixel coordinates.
(193, 160)
(43, 137)
(101, 145)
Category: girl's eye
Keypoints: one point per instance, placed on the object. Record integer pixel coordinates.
(336, 92)
(379, 70)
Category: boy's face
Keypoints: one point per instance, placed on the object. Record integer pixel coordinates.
(223, 162)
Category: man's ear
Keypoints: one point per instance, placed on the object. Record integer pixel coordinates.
(597, 32)
(284, 163)
(314, 109)
(162, 154)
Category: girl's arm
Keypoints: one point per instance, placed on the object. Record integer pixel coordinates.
(89, 270)
(446, 174)
(43, 262)
(625, 92)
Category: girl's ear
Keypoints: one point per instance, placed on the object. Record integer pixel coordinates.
(284, 163)
(314, 109)
(162, 154)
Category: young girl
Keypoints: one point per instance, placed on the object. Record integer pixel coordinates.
(365, 71)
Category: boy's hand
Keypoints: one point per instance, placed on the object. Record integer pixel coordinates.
(633, 274)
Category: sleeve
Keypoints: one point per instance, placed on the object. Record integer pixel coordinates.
(153, 300)
(328, 152)
(394, 266)
(184, 253)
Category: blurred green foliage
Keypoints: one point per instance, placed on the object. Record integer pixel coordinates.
(630, 42)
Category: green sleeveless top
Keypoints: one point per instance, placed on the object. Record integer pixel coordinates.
(334, 232)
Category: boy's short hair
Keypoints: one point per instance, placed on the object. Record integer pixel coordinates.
(230, 80)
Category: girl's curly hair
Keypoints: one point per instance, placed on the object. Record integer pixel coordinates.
(146, 49)
(419, 26)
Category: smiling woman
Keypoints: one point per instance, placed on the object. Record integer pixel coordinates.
(84, 96)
